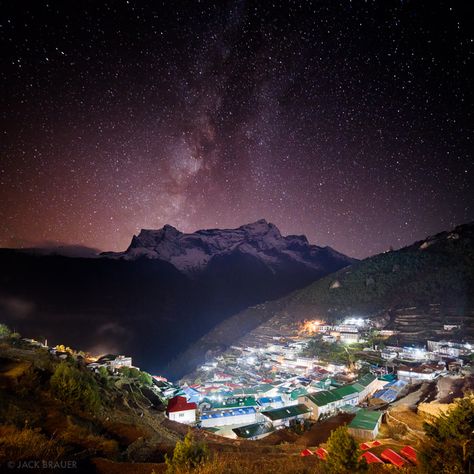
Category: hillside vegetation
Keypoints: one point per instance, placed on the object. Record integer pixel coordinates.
(438, 271)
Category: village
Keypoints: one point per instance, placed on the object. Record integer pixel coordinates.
(249, 392)
(292, 383)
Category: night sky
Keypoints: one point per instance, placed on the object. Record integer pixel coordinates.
(350, 122)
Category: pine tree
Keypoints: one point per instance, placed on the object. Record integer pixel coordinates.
(450, 445)
(343, 453)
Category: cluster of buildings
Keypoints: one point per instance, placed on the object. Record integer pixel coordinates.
(255, 412)
(250, 391)
(350, 331)
(112, 362)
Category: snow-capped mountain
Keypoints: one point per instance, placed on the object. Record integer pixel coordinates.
(260, 240)
(162, 294)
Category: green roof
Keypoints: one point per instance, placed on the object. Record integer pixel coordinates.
(365, 420)
(324, 397)
(326, 383)
(253, 430)
(358, 386)
(235, 402)
(345, 391)
(286, 412)
(298, 392)
(366, 379)
(264, 387)
(387, 378)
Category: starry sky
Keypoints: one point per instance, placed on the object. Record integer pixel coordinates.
(348, 121)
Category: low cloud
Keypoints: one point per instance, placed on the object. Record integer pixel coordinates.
(16, 308)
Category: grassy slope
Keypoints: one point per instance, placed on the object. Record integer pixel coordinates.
(124, 435)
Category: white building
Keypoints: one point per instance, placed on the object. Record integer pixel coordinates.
(234, 417)
(420, 373)
(120, 361)
(180, 410)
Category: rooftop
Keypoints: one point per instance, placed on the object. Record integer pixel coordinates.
(255, 429)
(366, 379)
(345, 391)
(235, 402)
(324, 397)
(286, 412)
(228, 413)
(365, 420)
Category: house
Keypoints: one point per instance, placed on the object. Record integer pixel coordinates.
(235, 402)
(192, 395)
(366, 424)
(349, 337)
(283, 416)
(270, 402)
(419, 373)
(370, 385)
(321, 403)
(115, 361)
(389, 393)
(349, 395)
(254, 431)
(180, 410)
(236, 416)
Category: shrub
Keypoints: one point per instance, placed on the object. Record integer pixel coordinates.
(81, 436)
(187, 455)
(75, 388)
(343, 453)
(24, 444)
(397, 430)
(4, 331)
(133, 373)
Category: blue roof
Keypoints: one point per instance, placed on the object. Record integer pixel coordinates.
(396, 384)
(265, 400)
(387, 395)
(227, 413)
(192, 395)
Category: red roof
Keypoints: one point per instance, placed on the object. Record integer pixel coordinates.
(410, 454)
(364, 446)
(179, 404)
(321, 453)
(391, 456)
(371, 458)
(376, 443)
(306, 452)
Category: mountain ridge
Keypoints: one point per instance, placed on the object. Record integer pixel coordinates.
(148, 307)
(192, 252)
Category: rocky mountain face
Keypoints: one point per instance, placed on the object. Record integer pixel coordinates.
(194, 253)
(415, 290)
(162, 294)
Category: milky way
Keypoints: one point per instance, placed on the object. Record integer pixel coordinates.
(350, 122)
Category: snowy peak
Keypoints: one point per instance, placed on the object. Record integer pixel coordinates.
(149, 238)
(261, 240)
